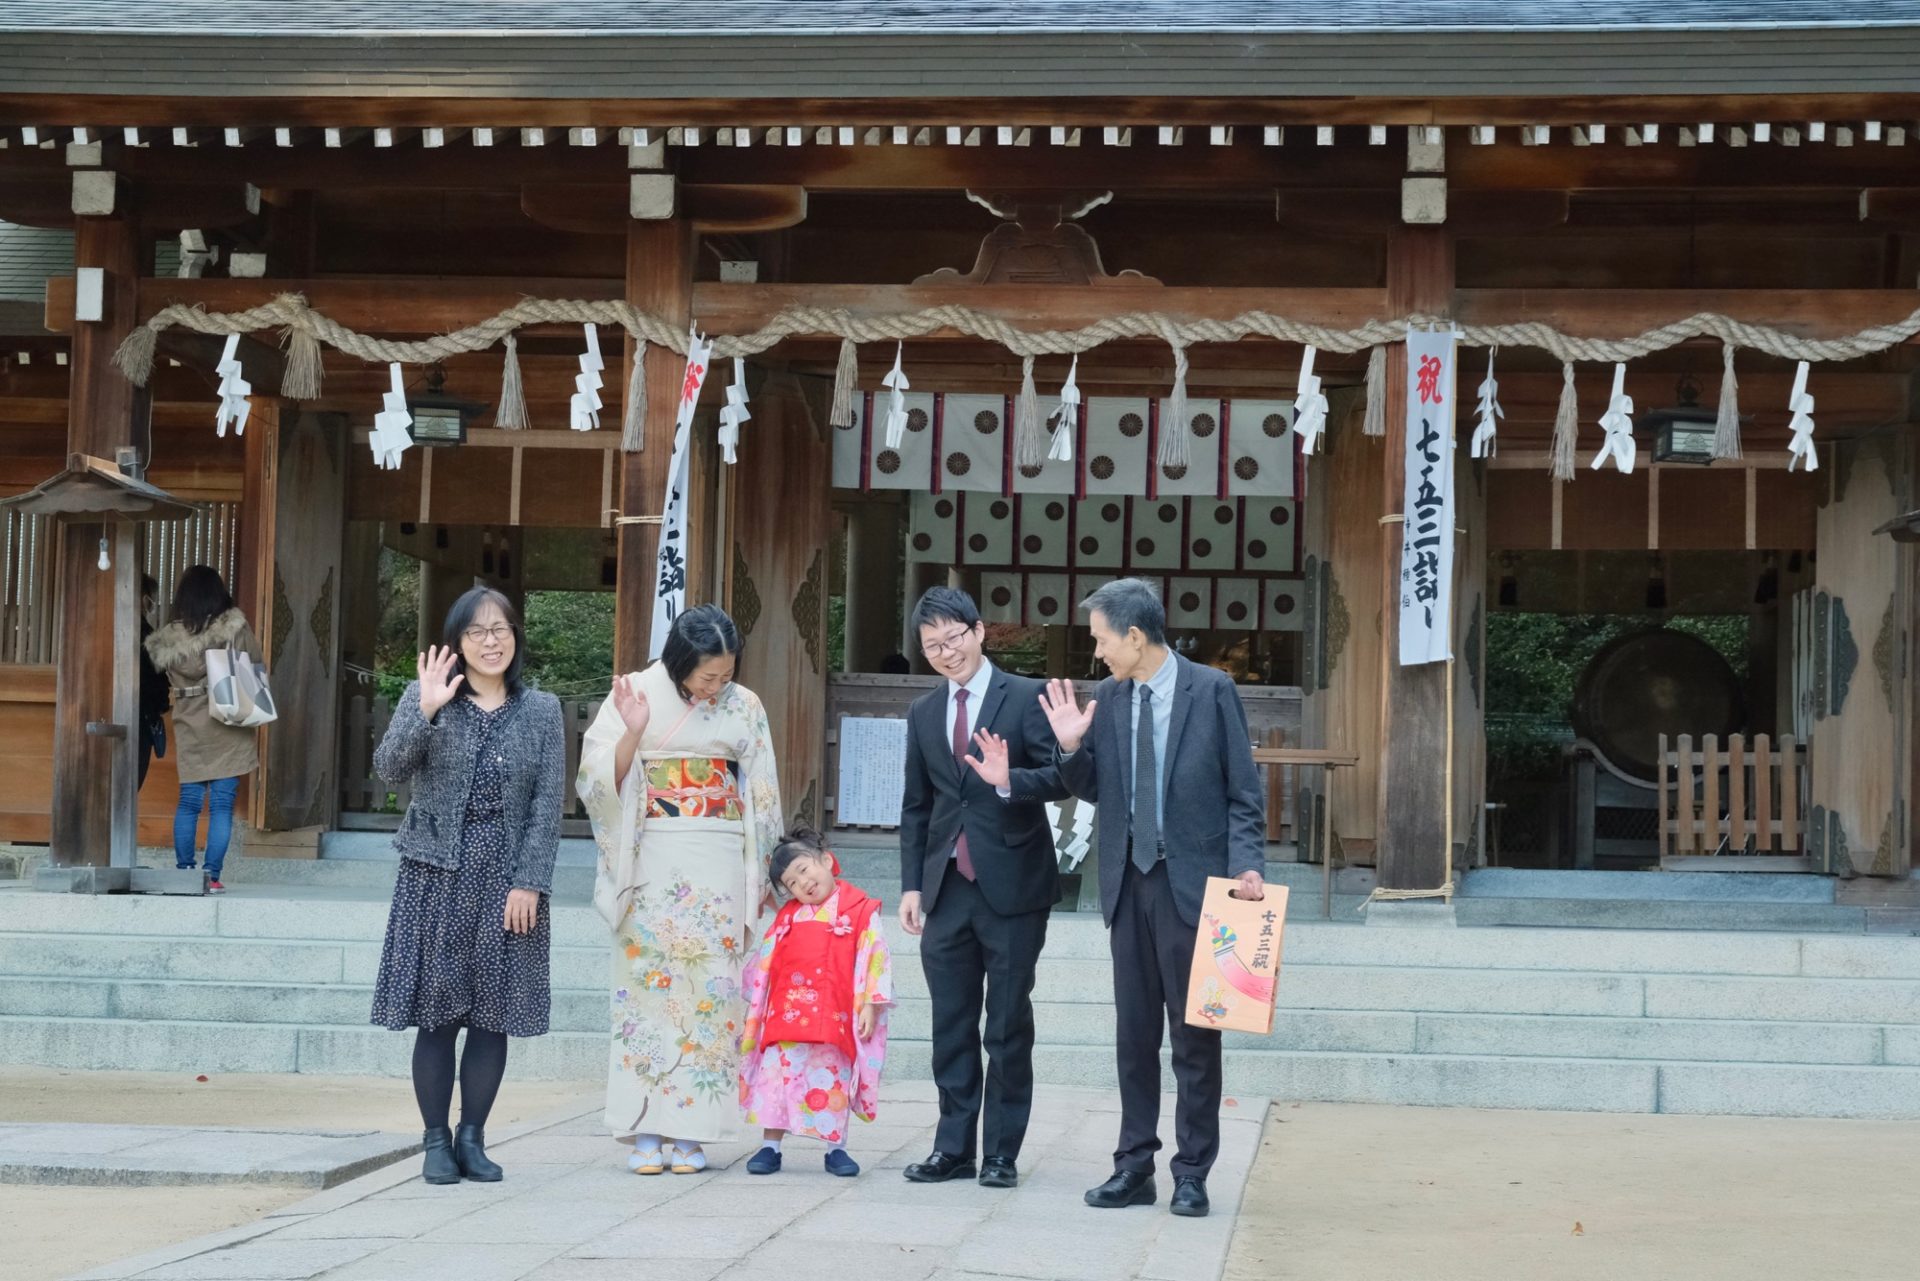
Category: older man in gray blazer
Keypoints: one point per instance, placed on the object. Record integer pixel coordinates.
(1163, 748)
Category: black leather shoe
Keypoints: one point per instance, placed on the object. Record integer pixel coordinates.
(999, 1172)
(1189, 1198)
(1125, 1188)
(940, 1167)
(439, 1166)
(470, 1153)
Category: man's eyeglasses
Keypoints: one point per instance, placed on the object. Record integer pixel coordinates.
(499, 632)
(949, 644)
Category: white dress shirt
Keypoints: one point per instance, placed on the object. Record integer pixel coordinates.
(1162, 686)
(976, 690)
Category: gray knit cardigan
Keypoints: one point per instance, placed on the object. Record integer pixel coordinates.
(438, 757)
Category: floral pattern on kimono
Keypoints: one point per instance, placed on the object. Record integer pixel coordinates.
(811, 1088)
(683, 846)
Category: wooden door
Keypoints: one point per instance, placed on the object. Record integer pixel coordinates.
(779, 523)
(1341, 676)
(300, 623)
(1856, 628)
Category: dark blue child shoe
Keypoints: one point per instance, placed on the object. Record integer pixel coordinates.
(765, 1161)
(839, 1163)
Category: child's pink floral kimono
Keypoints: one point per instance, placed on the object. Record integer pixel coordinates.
(802, 1069)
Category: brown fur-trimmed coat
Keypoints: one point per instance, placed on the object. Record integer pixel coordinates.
(205, 749)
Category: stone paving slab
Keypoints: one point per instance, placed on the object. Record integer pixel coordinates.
(569, 1211)
(173, 1156)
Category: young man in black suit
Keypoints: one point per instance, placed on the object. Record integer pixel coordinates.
(978, 878)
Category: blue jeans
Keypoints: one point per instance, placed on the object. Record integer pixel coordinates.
(186, 822)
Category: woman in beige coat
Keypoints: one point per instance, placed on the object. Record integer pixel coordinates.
(212, 757)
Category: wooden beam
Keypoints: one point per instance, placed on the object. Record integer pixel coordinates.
(661, 257)
(601, 208)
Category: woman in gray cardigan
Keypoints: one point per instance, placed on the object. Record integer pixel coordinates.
(468, 937)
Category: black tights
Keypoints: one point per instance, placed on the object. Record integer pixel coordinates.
(482, 1067)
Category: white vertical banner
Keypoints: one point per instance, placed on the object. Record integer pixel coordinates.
(1426, 547)
(670, 562)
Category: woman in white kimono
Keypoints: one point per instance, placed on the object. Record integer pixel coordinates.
(678, 778)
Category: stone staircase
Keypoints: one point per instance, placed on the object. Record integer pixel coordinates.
(277, 977)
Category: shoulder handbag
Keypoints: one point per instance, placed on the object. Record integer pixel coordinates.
(237, 692)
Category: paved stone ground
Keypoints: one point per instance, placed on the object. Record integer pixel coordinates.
(570, 1211)
(163, 1156)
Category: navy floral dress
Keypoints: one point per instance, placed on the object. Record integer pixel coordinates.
(448, 956)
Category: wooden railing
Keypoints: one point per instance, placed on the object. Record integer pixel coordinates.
(1743, 798)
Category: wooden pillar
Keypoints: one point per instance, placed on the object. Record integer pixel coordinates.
(91, 772)
(778, 591)
(440, 586)
(873, 584)
(660, 263)
(360, 603)
(303, 622)
(1413, 700)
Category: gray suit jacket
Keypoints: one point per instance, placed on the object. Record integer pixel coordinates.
(1215, 822)
(437, 756)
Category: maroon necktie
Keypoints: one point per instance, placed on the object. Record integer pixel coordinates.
(962, 859)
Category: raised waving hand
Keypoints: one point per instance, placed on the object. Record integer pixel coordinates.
(1069, 720)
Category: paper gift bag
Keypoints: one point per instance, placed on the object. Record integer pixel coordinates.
(1236, 959)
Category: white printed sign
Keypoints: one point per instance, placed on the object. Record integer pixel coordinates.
(873, 760)
(1426, 548)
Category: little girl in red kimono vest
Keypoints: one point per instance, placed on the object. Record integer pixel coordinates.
(817, 990)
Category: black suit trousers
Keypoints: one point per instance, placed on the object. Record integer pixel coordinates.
(1152, 960)
(971, 952)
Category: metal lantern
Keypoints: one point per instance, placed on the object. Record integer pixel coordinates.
(1684, 433)
(440, 419)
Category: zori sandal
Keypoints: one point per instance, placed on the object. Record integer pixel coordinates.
(647, 1159)
(689, 1158)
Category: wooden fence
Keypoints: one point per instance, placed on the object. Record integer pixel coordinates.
(1722, 800)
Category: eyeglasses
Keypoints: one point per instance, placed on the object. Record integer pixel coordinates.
(499, 632)
(949, 644)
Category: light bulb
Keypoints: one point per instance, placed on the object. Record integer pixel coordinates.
(105, 561)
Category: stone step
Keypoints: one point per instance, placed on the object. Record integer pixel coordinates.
(1089, 1022)
(371, 867)
(331, 982)
(1449, 1080)
(359, 915)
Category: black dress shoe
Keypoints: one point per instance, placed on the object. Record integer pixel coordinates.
(1126, 1187)
(1189, 1198)
(470, 1154)
(940, 1167)
(439, 1166)
(999, 1172)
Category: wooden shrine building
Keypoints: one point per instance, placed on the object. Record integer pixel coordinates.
(1635, 218)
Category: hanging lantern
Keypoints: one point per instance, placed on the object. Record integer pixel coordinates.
(440, 419)
(1684, 433)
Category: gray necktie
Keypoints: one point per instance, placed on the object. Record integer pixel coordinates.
(1146, 819)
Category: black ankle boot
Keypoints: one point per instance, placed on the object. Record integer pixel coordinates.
(470, 1151)
(440, 1166)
